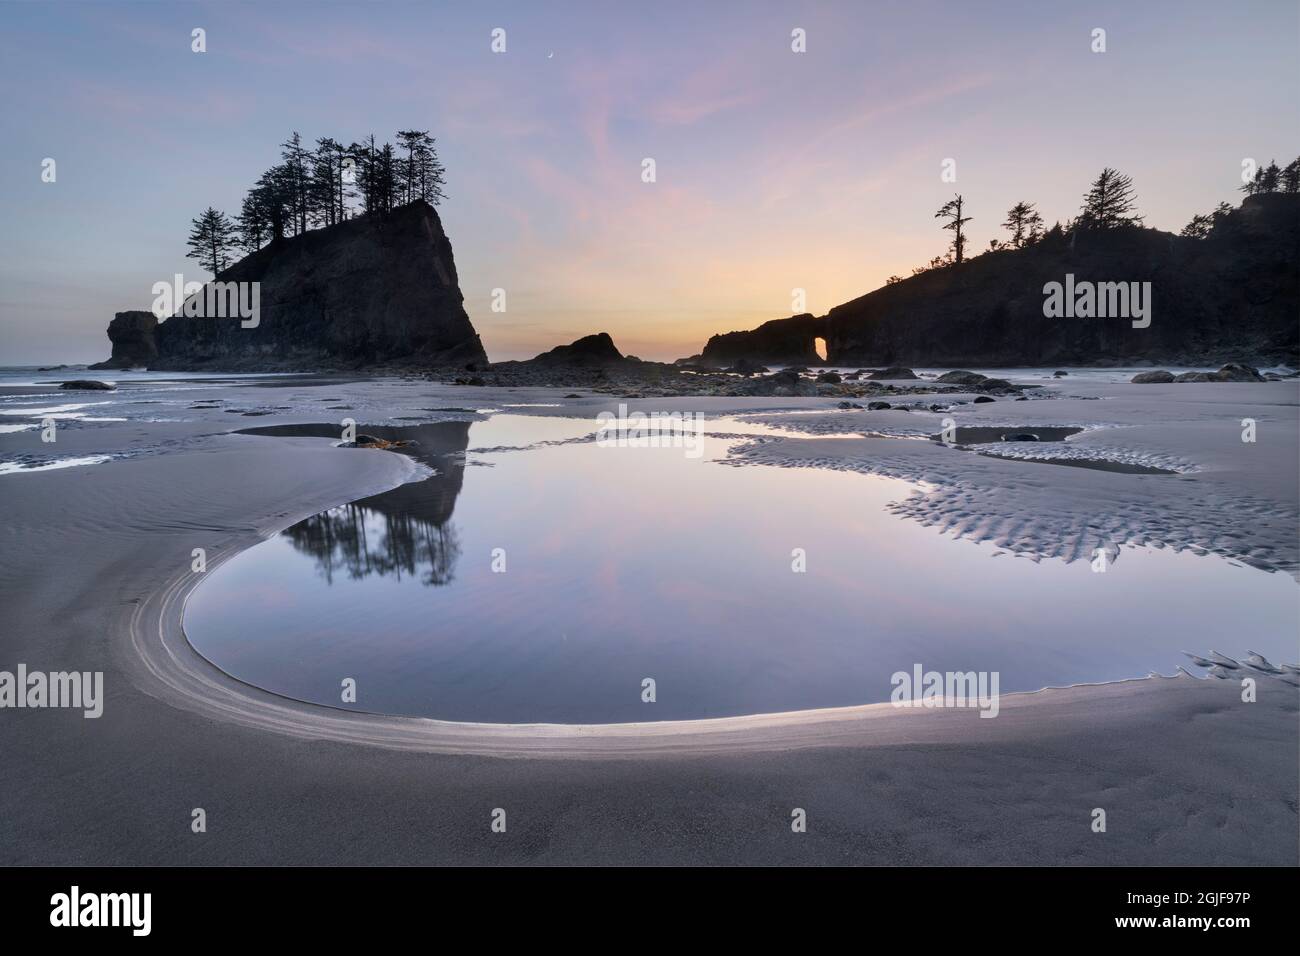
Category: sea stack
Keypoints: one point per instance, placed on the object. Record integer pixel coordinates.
(374, 291)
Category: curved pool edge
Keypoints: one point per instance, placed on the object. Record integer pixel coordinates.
(168, 667)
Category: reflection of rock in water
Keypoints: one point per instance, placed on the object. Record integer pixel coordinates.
(404, 531)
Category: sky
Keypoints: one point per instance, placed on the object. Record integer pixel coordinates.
(775, 170)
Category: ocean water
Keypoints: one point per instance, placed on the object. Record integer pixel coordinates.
(538, 576)
(31, 375)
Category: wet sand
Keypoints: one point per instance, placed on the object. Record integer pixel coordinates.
(95, 568)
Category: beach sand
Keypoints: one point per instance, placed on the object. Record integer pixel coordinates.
(95, 568)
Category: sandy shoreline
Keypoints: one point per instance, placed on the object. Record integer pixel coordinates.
(95, 571)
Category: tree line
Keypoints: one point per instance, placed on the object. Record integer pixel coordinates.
(1110, 203)
(316, 187)
(1267, 179)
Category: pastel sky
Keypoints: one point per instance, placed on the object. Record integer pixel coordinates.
(775, 170)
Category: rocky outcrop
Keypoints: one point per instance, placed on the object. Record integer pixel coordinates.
(132, 335)
(590, 351)
(375, 291)
(778, 342)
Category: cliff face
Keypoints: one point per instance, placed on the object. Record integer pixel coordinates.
(1232, 296)
(370, 291)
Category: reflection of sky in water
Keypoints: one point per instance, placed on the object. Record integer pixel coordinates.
(626, 563)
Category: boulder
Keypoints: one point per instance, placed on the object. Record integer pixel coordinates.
(997, 385)
(961, 377)
(1236, 372)
(983, 399)
(893, 372)
(744, 366)
(1160, 377)
(829, 378)
(789, 383)
(878, 406)
(83, 384)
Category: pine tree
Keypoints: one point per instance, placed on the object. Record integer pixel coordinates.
(1251, 186)
(1109, 203)
(1270, 177)
(951, 211)
(212, 239)
(1199, 227)
(1291, 177)
(326, 192)
(364, 155)
(296, 160)
(1025, 225)
(254, 221)
(420, 172)
(386, 178)
(275, 200)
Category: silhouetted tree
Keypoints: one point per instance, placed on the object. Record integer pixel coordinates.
(1251, 185)
(296, 160)
(1270, 177)
(1199, 227)
(1291, 177)
(938, 262)
(420, 173)
(1109, 203)
(1025, 225)
(312, 187)
(212, 239)
(327, 186)
(364, 155)
(951, 210)
(274, 191)
(386, 174)
(254, 221)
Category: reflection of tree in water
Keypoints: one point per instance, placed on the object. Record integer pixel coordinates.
(406, 531)
(364, 541)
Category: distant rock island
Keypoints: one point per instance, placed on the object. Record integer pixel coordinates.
(372, 291)
(1233, 295)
